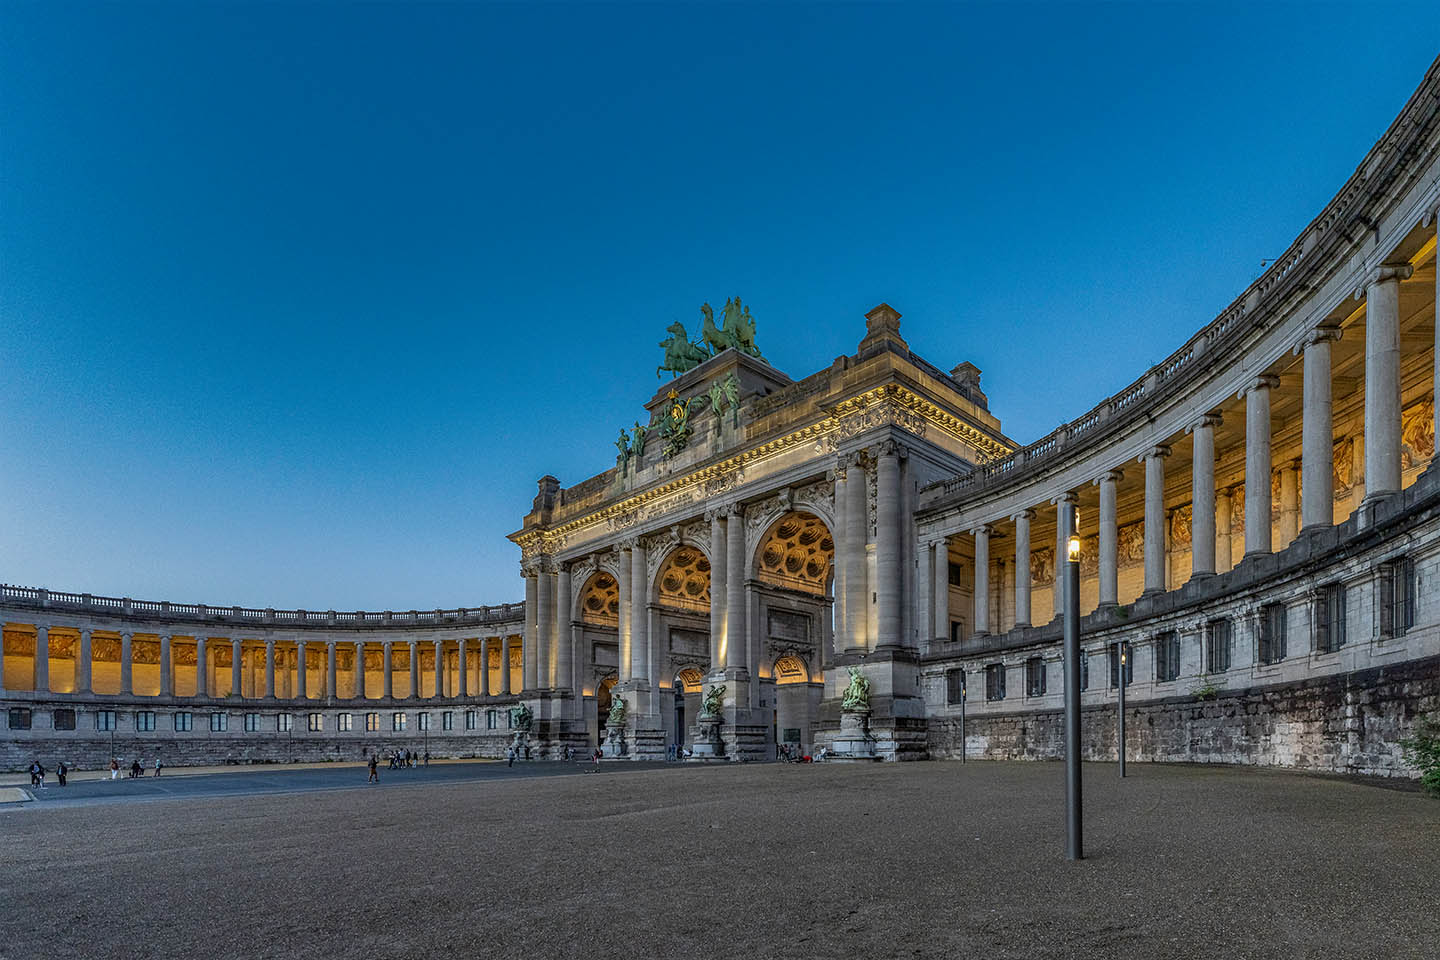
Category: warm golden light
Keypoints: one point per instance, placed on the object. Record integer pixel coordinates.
(1072, 550)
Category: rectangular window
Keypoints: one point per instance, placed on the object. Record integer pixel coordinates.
(1397, 597)
(1167, 656)
(252, 722)
(422, 721)
(1118, 652)
(184, 721)
(1330, 618)
(1217, 646)
(145, 720)
(995, 681)
(955, 685)
(469, 719)
(447, 720)
(957, 631)
(19, 718)
(315, 722)
(1272, 633)
(957, 574)
(344, 722)
(65, 719)
(284, 722)
(489, 719)
(397, 722)
(372, 722)
(219, 722)
(1035, 677)
(104, 719)
(1084, 670)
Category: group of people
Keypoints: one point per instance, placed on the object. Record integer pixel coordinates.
(37, 773)
(401, 759)
(136, 770)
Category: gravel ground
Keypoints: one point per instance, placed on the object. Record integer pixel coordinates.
(911, 860)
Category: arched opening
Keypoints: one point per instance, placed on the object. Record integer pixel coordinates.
(683, 582)
(680, 637)
(600, 600)
(603, 702)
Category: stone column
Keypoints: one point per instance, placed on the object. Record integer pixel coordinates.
(540, 675)
(718, 595)
(736, 636)
(126, 684)
(562, 665)
(1289, 503)
(332, 674)
(463, 682)
(887, 547)
(1317, 445)
(940, 564)
(622, 582)
(1382, 379)
(857, 593)
(1154, 462)
(1257, 464)
(237, 666)
(439, 669)
(505, 682)
(202, 668)
(1022, 567)
(167, 668)
(1064, 517)
(388, 687)
(1224, 524)
(270, 668)
(1202, 497)
(414, 670)
(532, 627)
(301, 678)
(1109, 540)
(982, 580)
(42, 659)
(484, 676)
(841, 618)
(360, 670)
(83, 667)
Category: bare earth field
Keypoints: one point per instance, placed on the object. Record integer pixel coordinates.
(913, 860)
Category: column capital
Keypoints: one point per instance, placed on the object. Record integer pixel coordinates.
(891, 448)
(1266, 381)
(1066, 497)
(167, 636)
(715, 513)
(1026, 514)
(1109, 476)
(1159, 451)
(984, 529)
(1384, 273)
(1206, 420)
(1325, 334)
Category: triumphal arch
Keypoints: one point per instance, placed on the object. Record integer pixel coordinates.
(752, 543)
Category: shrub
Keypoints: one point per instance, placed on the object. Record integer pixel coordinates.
(1422, 751)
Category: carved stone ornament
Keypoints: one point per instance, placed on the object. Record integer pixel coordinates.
(1344, 472)
(1130, 546)
(1417, 434)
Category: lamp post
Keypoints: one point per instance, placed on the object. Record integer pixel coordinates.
(963, 748)
(1120, 747)
(1074, 826)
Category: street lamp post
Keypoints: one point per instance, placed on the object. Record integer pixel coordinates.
(1120, 747)
(963, 748)
(1074, 825)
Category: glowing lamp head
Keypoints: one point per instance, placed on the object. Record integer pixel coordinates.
(1072, 549)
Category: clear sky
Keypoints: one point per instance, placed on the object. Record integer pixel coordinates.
(297, 302)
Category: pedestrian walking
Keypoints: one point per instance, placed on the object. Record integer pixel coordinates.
(595, 757)
(427, 758)
(374, 770)
(34, 773)
(158, 765)
(41, 767)
(114, 769)
(510, 757)
(61, 772)
(135, 769)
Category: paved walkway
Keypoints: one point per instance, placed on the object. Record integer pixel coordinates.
(77, 776)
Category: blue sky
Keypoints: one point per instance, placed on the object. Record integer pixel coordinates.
(299, 301)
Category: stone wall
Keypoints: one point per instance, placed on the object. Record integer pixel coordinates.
(1343, 723)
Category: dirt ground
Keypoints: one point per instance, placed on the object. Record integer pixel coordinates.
(911, 860)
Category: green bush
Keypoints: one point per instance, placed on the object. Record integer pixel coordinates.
(1422, 751)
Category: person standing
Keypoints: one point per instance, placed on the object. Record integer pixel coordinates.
(114, 769)
(60, 772)
(158, 765)
(34, 773)
(510, 757)
(374, 769)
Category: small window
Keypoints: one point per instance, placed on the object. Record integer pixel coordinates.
(19, 718)
(145, 720)
(252, 722)
(1167, 656)
(315, 722)
(422, 721)
(284, 722)
(104, 719)
(995, 681)
(469, 719)
(447, 720)
(65, 719)
(1035, 677)
(397, 722)
(1118, 652)
(344, 722)
(957, 574)
(184, 721)
(955, 685)
(1397, 597)
(1218, 646)
(1330, 618)
(509, 719)
(219, 722)
(957, 631)
(489, 719)
(1084, 670)
(372, 722)
(1272, 633)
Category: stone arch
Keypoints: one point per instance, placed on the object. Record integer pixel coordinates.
(689, 680)
(598, 601)
(683, 580)
(790, 669)
(796, 552)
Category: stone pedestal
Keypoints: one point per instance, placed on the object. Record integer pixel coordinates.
(615, 745)
(706, 741)
(853, 742)
(520, 741)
